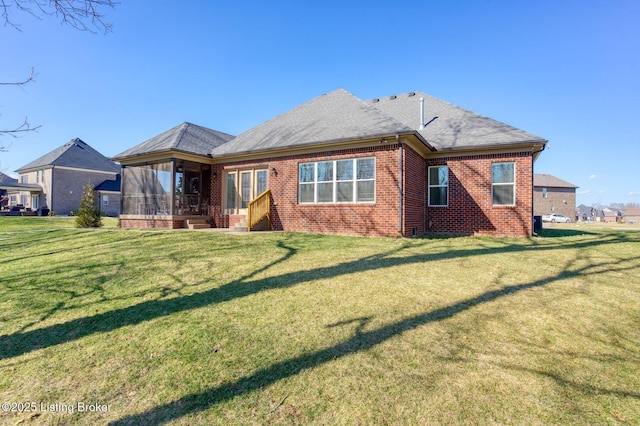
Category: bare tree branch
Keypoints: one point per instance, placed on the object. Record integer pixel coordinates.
(23, 128)
(84, 15)
(21, 83)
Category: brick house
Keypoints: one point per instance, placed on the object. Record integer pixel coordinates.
(56, 180)
(402, 165)
(553, 195)
(632, 215)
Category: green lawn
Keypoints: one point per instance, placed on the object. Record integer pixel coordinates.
(277, 328)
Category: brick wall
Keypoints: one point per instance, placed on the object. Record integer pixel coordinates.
(470, 209)
(68, 186)
(151, 223)
(414, 193)
(379, 218)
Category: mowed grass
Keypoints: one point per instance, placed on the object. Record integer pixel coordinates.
(276, 328)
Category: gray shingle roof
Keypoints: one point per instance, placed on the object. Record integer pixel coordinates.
(110, 185)
(7, 179)
(333, 117)
(544, 180)
(75, 153)
(186, 137)
(454, 127)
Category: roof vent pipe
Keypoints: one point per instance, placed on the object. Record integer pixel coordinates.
(421, 112)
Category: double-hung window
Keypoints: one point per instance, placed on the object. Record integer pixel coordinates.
(439, 186)
(503, 184)
(337, 181)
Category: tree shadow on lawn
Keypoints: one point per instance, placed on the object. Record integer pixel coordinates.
(359, 342)
(560, 232)
(20, 343)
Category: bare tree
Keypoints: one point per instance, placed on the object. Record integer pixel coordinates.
(25, 126)
(84, 15)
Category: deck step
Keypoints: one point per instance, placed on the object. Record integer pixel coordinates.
(199, 223)
(199, 226)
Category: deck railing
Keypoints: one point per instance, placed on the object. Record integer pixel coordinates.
(259, 208)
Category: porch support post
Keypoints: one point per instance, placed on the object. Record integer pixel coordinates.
(173, 187)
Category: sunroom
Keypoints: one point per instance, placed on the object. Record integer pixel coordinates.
(166, 180)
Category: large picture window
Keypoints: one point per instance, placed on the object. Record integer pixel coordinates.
(337, 181)
(503, 184)
(439, 186)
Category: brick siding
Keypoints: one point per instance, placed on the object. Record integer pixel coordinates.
(152, 223)
(374, 219)
(68, 186)
(470, 210)
(415, 200)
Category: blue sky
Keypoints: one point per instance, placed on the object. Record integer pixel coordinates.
(568, 71)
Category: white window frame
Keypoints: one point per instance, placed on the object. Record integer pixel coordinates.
(494, 184)
(334, 181)
(430, 185)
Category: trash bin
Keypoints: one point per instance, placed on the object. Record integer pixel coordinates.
(537, 223)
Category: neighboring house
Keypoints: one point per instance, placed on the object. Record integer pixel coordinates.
(108, 194)
(609, 215)
(56, 180)
(553, 195)
(401, 165)
(586, 213)
(4, 194)
(632, 215)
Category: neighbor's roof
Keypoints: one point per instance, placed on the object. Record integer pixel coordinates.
(7, 179)
(632, 212)
(186, 137)
(449, 126)
(334, 117)
(75, 153)
(550, 181)
(16, 186)
(111, 185)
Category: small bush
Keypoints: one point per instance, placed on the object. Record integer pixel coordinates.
(88, 215)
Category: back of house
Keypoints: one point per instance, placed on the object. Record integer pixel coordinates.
(401, 165)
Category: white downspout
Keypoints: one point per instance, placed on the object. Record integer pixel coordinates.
(421, 113)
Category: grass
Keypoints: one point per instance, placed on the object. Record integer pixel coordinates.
(201, 328)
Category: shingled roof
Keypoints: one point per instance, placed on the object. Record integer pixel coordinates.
(449, 126)
(339, 117)
(187, 137)
(550, 181)
(75, 153)
(331, 118)
(7, 179)
(111, 185)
